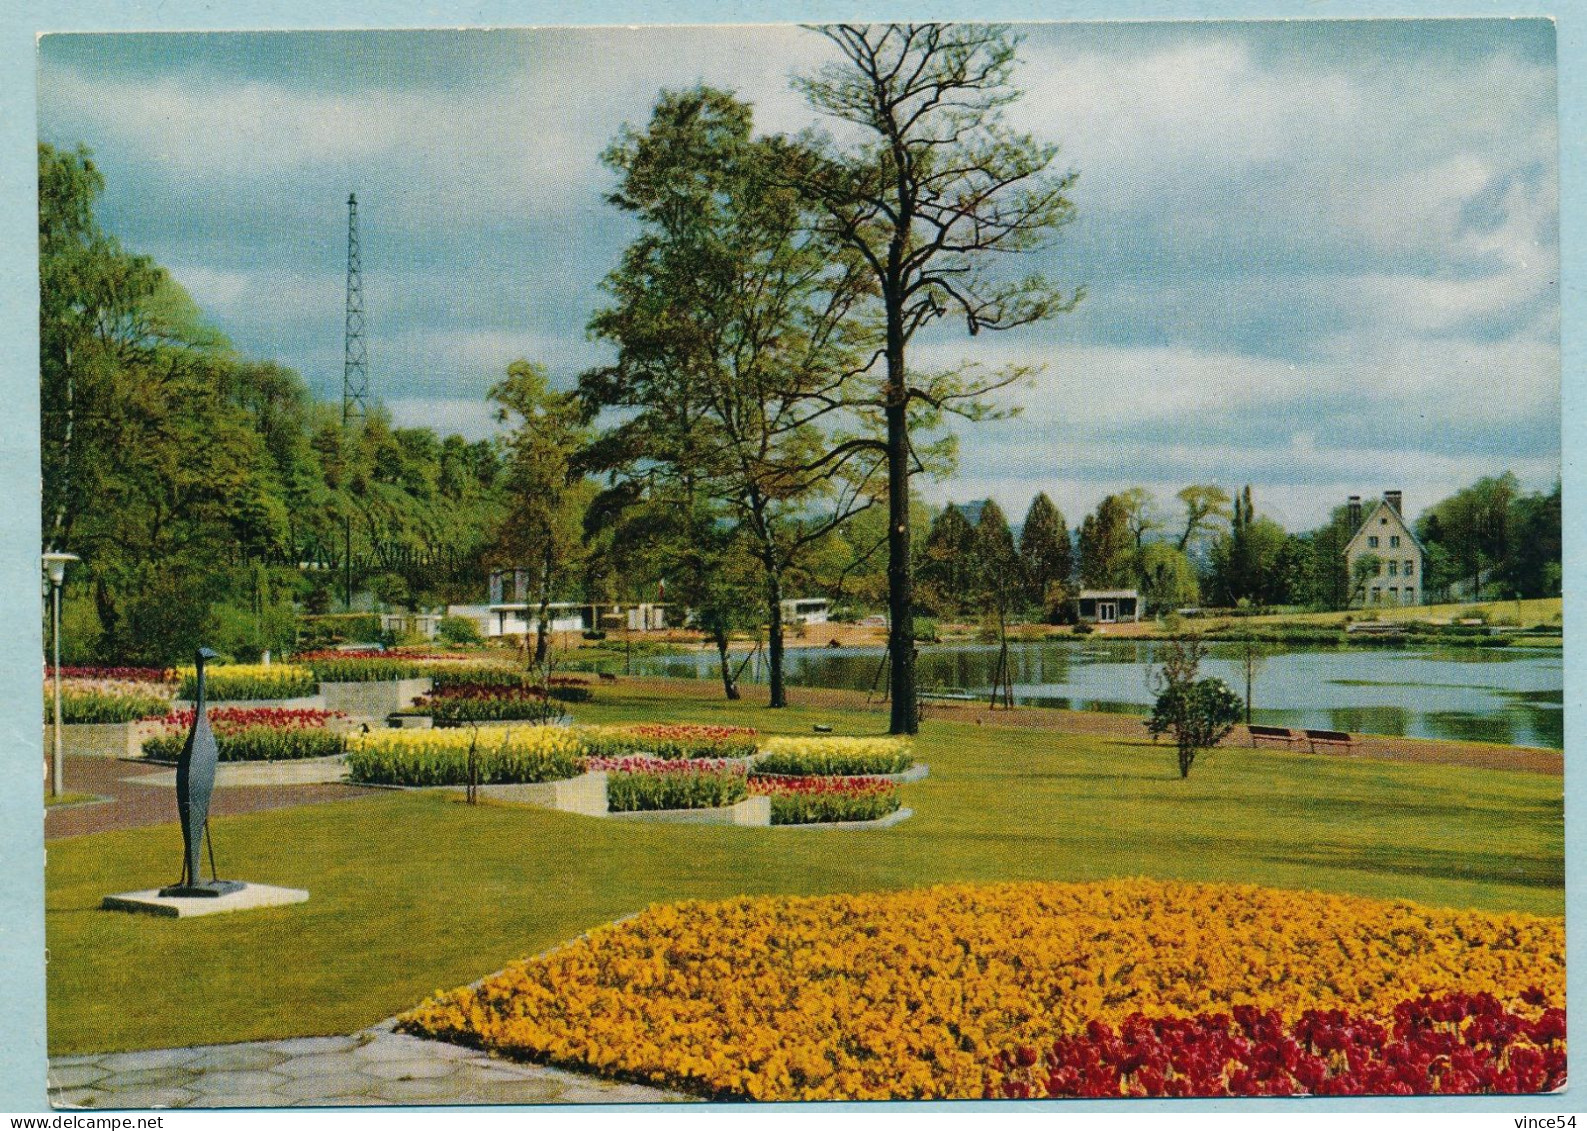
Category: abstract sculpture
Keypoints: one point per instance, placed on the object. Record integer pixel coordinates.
(195, 781)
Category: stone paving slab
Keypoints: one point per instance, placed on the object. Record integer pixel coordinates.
(376, 1067)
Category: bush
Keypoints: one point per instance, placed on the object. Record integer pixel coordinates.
(676, 785)
(251, 681)
(92, 706)
(421, 758)
(459, 630)
(834, 756)
(1198, 713)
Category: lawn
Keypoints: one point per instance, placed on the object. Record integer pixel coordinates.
(412, 892)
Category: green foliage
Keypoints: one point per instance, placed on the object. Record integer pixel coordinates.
(946, 572)
(1046, 558)
(1247, 562)
(1106, 545)
(1165, 577)
(459, 630)
(79, 706)
(634, 791)
(1199, 713)
(256, 744)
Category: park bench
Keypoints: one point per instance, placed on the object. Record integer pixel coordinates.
(1330, 738)
(1261, 733)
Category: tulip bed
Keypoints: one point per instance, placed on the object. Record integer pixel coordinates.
(106, 700)
(250, 681)
(118, 674)
(440, 757)
(676, 741)
(1126, 987)
(648, 784)
(253, 734)
(359, 668)
(834, 755)
(809, 801)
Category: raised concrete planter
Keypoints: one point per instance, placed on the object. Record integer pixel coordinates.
(585, 794)
(287, 771)
(373, 699)
(100, 740)
(302, 703)
(886, 822)
(751, 812)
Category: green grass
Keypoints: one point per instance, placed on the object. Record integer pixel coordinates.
(1537, 610)
(413, 892)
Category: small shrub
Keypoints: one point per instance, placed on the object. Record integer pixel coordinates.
(459, 630)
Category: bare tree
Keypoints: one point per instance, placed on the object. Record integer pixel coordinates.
(933, 199)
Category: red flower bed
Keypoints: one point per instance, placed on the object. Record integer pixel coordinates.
(688, 731)
(228, 720)
(1455, 1044)
(132, 675)
(487, 691)
(639, 765)
(821, 787)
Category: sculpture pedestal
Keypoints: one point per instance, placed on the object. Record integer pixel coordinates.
(204, 889)
(247, 897)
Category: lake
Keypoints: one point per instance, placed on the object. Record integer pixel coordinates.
(1507, 695)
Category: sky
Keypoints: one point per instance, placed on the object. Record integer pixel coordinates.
(1320, 258)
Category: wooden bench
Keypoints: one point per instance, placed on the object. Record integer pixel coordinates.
(1261, 733)
(1330, 738)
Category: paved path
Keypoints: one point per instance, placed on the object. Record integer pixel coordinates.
(144, 794)
(376, 1067)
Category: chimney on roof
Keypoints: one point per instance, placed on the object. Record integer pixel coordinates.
(1393, 499)
(1355, 513)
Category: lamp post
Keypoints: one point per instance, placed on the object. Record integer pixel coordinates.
(55, 569)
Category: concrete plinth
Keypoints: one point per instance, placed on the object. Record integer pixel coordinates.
(250, 898)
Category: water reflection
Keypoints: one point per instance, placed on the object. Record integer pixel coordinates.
(1512, 696)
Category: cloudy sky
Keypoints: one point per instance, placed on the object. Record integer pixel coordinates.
(1320, 258)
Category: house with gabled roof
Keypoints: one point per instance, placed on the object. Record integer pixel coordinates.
(1384, 538)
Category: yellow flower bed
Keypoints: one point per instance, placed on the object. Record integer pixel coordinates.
(910, 994)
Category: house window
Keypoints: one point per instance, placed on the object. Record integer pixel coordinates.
(1410, 596)
(1394, 569)
(1372, 541)
(1394, 594)
(1377, 595)
(1410, 564)
(1394, 541)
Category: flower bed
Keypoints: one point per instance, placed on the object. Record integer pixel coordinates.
(119, 674)
(440, 757)
(250, 681)
(103, 701)
(1455, 1044)
(809, 801)
(253, 735)
(635, 785)
(917, 994)
(359, 668)
(671, 740)
(447, 676)
(835, 756)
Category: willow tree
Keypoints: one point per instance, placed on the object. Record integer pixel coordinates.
(936, 196)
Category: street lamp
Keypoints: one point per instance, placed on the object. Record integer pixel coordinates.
(55, 570)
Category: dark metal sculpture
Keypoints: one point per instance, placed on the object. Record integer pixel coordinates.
(195, 781)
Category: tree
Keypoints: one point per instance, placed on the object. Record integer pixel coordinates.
(1366, 567)
(939, 190)
(1473, 525)
(997, 581)
(1246, 562)
(546, 495)
(947, 563)
(1106, 545)
(1046, 558)
(1140, 510)
(1165, 576)
(730, 317)
(1199, 713)
(1534, 565)
(1205, 504)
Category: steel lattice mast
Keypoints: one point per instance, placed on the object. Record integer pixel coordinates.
(355, 358)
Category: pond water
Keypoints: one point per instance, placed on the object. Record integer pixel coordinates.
(1508, 695)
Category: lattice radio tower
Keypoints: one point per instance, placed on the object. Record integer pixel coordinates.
(355, 358)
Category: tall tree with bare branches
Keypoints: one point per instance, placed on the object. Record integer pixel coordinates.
(937, 196)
